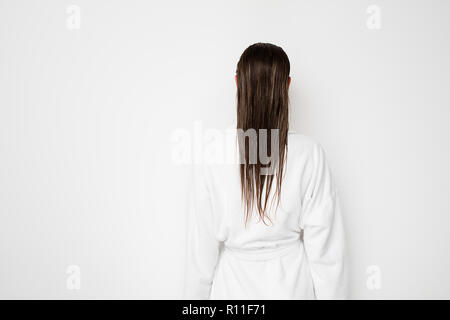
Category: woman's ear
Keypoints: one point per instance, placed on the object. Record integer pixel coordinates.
(235, 79)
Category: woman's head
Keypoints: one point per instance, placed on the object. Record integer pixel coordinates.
(262, 79)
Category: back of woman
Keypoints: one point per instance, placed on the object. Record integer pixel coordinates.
(268, 225)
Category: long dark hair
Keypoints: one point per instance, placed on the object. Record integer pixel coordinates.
(262, 103)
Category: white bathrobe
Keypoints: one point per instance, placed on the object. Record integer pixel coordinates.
(300, 255)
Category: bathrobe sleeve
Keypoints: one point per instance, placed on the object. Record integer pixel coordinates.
(323, 232)
(202, 245)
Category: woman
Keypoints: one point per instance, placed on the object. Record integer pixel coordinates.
(266, 229)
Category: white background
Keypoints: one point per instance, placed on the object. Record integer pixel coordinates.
(86, 116)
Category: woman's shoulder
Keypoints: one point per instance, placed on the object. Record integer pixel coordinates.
(302, 142)
(306, 151)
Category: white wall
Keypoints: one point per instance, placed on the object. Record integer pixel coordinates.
(86, 115)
